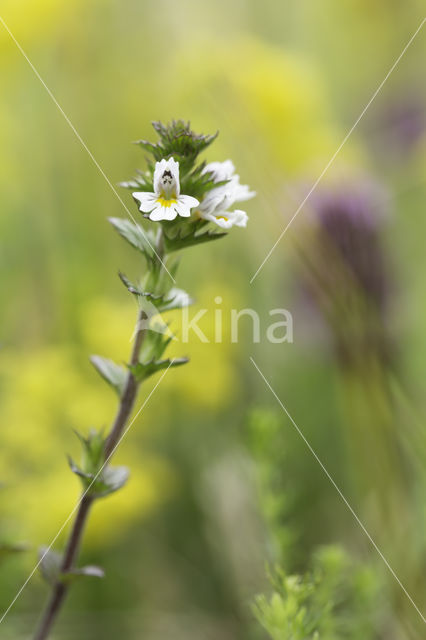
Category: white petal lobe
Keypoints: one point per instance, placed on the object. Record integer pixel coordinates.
(146, 200)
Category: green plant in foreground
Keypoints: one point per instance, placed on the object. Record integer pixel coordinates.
(335, 601)
(183, 196)
(336, 598)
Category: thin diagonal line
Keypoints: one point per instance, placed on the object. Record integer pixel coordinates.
(339, 491)
(84, 145)
(335, 154)
(82, 496)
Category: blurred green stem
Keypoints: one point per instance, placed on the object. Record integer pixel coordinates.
(129, 393)
(127, 401)
(60, 589)
(373, 438)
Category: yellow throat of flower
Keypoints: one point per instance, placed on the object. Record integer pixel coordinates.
(166, 203)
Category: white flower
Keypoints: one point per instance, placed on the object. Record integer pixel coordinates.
(166, 202)
(216, 203)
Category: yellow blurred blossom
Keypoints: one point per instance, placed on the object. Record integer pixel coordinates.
(276, 95)
(46, 394)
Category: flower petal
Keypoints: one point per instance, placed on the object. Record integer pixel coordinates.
(242, 193)
(158, 172)
(185, 204)
(221, 221)
(147, 200)
(220, 170)
(240, 218)
(188, 201)
(228, 219)
(163, 213)
(182, 210)
(164, 185)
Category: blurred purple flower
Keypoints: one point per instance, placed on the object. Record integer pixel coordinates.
(351, 218)
(399, 125)
(346, 272)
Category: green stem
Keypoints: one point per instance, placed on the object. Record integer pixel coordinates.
(129, 393)
(60, 589)
(127, 402)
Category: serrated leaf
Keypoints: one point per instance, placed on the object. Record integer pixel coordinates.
(50, 568)
(113, 373)
(79, 472)
(90, 571)
(110, 480)
(137, 291)
(177, 140)
(129, 285)
(129, 184)
(155, 344)
(142, 182)
(140, 239)
(142, 371)
(101, 484)
(50, 565)
(175, 299)
(92, 455)
(183, 241)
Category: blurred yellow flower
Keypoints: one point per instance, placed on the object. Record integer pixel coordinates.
(207, 381)
(45, 395)
(274, 96)
(48, 392)
(29, 20)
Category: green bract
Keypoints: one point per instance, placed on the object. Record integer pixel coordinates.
(184, 145)
(98, 479)
(50, 568)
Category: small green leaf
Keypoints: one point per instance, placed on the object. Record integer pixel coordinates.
(101, 483)
(181, 241)
(76, 469)
(90, 571)
(142, 182)
(129, 285)
(93, 450)
(144, 370)
(175, 299)
(143, 241)
(112, 479)
(92, 455)
(113, 373)
(50, 565)
(50, 568)
(137, 291)
(177, 140)
(155, 343)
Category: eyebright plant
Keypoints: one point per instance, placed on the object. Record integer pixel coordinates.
(184, 200)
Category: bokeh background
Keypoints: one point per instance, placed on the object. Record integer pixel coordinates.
(221, 483)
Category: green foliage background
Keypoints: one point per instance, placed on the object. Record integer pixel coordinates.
(220, 482)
